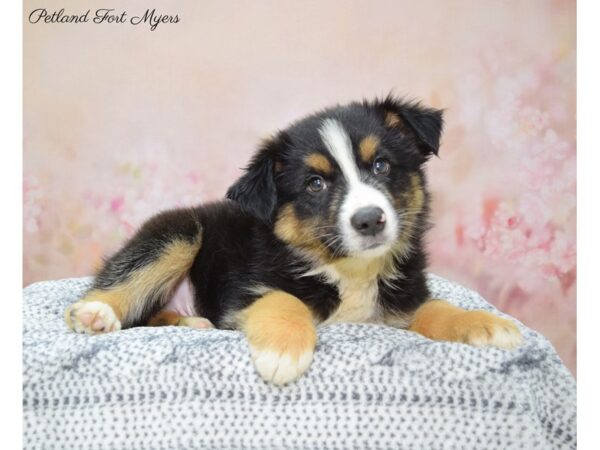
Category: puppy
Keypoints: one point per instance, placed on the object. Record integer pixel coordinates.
(326, 226)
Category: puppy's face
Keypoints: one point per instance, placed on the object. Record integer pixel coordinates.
(345, 182)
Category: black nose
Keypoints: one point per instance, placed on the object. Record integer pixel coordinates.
(368, 221)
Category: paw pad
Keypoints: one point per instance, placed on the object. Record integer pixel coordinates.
(91, 317)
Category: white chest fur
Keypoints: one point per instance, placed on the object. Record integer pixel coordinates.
(359, 303)
(358, 289)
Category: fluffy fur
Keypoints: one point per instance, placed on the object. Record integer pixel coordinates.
(325, 226)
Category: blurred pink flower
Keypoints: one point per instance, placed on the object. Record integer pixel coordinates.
(33, 200)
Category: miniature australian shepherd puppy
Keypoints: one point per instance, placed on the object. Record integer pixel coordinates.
(326, 226)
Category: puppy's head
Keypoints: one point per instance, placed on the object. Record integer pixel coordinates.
(347, 181)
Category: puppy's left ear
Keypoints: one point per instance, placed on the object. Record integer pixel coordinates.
(256, 191)
(424, 123)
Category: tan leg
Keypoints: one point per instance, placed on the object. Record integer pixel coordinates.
(166, 318)
(440, 320)
(105, 310)
(281, 334)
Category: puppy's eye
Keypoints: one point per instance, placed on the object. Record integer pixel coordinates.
(381, 166)
(316, 184)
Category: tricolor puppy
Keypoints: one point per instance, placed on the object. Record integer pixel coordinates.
(325, 226)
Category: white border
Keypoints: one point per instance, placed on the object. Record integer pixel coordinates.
(588, 223)
(11, 170)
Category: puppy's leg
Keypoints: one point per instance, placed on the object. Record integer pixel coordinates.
(166, 318)
(138, 279)
(440, 320)
(281, 334)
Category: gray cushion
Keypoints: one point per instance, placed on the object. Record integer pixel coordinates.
(370, 386)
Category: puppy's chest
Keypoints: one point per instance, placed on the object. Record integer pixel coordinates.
(358, 299)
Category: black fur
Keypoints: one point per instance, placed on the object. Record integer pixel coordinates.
(240, 252)
(256, 191)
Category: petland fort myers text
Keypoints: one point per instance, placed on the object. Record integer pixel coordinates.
(150, 17)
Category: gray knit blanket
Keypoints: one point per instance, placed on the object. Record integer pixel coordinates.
(369, 387)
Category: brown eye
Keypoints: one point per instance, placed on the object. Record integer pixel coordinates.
(316, 184)
(381, 166)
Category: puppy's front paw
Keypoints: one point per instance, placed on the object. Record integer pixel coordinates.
(280, 368)
(438, 319)
(91, 317)
(281, 334)
(481, 328)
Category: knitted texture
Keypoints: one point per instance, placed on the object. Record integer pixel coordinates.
(369, 387)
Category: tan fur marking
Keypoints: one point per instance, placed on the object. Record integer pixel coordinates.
(279, 322)
(392, 119)
(440, 320)
(368, 147)
(288, 227)
(410, 205)
(319, 163)
(417, 198)
(164, 318)
(127, 299)
(299, 233)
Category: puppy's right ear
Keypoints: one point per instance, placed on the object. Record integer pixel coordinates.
(424, 123)
(256, 191)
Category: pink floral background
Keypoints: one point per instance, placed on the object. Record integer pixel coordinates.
(121, 122)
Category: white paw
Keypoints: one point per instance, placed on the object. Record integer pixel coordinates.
(497, 336)
(91, 317)
(280, 368)
(491, 330)
(195, 322)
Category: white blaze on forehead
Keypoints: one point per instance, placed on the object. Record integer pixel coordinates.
(338, 144)
(360, 194)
